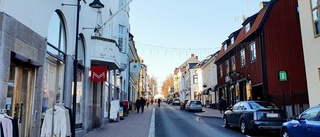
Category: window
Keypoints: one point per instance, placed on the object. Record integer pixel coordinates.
(120, 39)
(253, 52)
(233, 62)
(316, 15)
(310, 114)
(225, 46)
(232, 40)
(243, 58)
(247, 27)
(227, 67)
(221, 71)
(195, 79)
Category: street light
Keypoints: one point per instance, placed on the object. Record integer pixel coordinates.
(95, 4)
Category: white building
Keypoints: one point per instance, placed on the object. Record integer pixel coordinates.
(310, 32)
(37, 52)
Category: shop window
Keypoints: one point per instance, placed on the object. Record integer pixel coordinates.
(54, 67)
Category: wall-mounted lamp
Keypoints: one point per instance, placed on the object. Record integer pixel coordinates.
(96, 4)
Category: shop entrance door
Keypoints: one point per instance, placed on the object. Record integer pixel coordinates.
(20, 94)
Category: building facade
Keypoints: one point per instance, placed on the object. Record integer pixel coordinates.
(37, 61)
(309, 23)
(256, 62)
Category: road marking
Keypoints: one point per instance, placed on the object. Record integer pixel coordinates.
(152, 125)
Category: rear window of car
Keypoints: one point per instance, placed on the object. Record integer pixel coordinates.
(196, 102)
(262, 105)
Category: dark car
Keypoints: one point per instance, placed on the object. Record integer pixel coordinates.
(251, 115)
(183, 104)
(307, 124)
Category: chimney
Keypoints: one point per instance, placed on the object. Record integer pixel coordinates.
(263, 4)
(192, 55)
(196, 57)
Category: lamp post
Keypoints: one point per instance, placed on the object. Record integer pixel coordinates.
(95, 4)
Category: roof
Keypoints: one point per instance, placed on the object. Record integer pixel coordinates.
(258, 19)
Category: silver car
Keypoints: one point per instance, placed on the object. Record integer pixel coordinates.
(194, 105)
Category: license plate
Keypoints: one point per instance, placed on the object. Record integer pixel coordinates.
(272, 115)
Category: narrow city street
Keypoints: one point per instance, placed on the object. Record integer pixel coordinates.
(170, 121)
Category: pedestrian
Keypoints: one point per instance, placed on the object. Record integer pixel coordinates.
(142, 103)
(222, 105)
(159, 101)
(151, 101)
(138, 105)
(148, 102)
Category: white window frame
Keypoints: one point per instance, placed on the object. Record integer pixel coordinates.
(121, 37)
(247, 27)
(315, 11)
(233, 62)
(253, 52)
(232, 40)
(243, 57)
(221, 71)
(225, 46)
(227, 67)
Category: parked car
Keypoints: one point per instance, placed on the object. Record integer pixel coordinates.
(307, 124)
(176, 101)
(252, 115)
(194, 105)
(183, 104)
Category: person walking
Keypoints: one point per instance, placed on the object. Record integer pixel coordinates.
(148, 102)
(159, 101)
(222, 105)
(138, 105)
(151, 101)
(142, 103)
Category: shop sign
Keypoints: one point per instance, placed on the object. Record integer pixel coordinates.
(283, 76)
(99, 73)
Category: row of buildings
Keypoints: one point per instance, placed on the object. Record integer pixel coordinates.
(77, 53)
(273, 57)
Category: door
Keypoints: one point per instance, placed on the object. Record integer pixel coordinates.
(20, 94)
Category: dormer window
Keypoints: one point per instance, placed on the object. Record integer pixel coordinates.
(225, 46)
(232, 40)
(247, 27)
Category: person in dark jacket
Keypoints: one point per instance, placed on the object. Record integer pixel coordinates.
(142, 103)
(222, 105)
(137, 105)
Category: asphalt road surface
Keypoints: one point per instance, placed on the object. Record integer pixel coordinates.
(170, 121)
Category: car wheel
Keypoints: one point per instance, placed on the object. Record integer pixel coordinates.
(243, 127)
(225, 122)
(285, 133)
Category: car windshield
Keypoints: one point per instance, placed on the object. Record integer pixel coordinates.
(262, 105)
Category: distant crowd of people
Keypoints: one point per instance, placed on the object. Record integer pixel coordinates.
(141, 102)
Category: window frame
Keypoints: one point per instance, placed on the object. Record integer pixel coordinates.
(315, 9)
(233, 63)
(227, 66)
(195, 79)
(243, 57)
(253, 52)
(221, 70)
(247, 28)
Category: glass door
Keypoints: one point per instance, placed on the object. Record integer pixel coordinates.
(20, 87)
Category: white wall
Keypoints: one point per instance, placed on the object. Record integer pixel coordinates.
(311, 51)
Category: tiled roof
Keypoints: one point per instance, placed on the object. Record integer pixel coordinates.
(242, 36)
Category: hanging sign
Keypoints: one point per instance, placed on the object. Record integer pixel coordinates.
(99, 73)
(135, 67)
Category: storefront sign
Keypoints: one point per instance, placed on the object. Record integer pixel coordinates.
(283, 76)
(99, 73)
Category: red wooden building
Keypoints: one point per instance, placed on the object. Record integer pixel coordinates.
(263, 60)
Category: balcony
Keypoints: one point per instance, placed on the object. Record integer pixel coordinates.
(106, 52)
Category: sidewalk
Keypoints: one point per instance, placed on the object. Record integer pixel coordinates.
(210, 112)
(134, 125)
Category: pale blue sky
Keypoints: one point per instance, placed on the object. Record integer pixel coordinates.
(167, 32)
